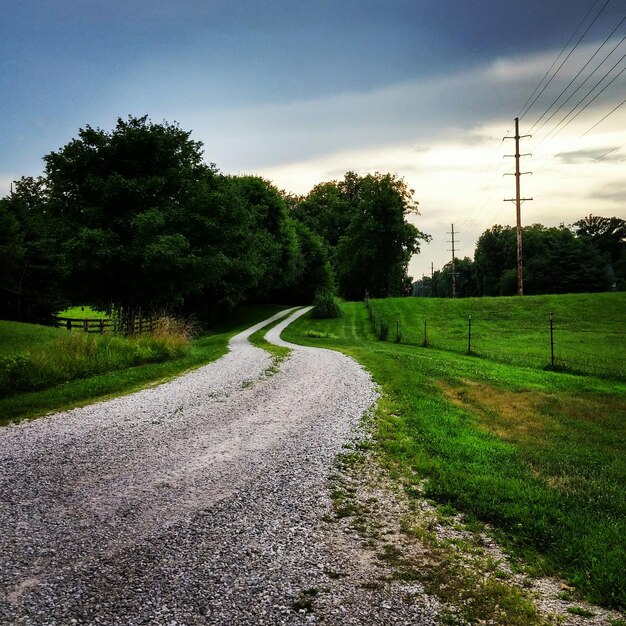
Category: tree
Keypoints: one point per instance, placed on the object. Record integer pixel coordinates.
(608, 236)
(32, 265)
(131, 204)
(267, 255)
(555, 261)
(326, 210)
(314, 272)
(362, 220)
(465, 280)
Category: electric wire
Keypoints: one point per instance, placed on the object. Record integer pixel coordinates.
(568, 55)
(546, 163)
(590, 101)
(582, 69)
(606, 154)
(621, 104)
(584, 83)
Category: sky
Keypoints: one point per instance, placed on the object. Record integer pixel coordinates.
(302, 91)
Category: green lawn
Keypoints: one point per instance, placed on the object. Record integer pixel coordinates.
(589, 329)
(82, 313)
(17, 339)
(540, 455)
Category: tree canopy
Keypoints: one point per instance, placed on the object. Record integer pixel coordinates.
(362, 219)
(133, 218)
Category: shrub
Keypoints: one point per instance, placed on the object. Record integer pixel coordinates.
(325, 305)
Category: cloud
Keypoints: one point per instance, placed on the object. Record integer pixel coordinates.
(606, 154)
(445, 108)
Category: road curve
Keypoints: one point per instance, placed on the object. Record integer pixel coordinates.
(200, 501)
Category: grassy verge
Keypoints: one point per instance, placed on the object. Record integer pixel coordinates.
(539, 455)
(588, 329)
(102, 386)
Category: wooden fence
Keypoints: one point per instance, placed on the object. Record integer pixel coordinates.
(136, 326)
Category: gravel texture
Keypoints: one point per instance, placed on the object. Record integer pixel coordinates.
(204, 500)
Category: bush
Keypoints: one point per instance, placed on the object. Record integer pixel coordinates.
(325, 306)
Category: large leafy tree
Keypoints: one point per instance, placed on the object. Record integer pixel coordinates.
(363, 221)
(268, 246)
(132, 204)
(608, 236)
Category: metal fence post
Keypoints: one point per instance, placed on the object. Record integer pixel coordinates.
(551, 341)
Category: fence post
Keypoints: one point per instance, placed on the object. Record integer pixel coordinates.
(68, 324)
(425, 343)
(101, 326)
(469, 335)
(551, 341)
(86, 325)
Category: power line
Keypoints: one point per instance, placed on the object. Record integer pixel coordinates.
(622, 103)
(585, 82)
(606, 154)
(527, 108)
(582, 69)
(590, 101)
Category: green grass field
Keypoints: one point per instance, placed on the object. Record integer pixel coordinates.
(82, 313)
(589, 329)
(539, 455)
(78, 387)
(16, 337)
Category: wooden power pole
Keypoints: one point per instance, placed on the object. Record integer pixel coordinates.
(432, 277)
(453, 264)
(518, 204)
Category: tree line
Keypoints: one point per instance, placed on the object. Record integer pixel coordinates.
(587, 256)
(134, 219)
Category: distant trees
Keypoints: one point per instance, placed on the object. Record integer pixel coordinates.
(362, 220)
(586, 257)
(608, 236)
(465, 280)
(555, 261)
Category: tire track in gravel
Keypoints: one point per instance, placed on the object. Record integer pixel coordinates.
(199, 501)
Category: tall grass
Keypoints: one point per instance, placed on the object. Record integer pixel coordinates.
(73, 355)
(325, 305)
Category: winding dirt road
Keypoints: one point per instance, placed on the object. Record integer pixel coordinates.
(200, 501)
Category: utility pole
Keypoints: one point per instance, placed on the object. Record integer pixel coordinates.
(453, 265)
(432, 277)
(518, 204)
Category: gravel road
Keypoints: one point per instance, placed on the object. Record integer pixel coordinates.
(204, 500)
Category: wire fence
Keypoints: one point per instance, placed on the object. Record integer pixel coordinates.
(595, 347)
